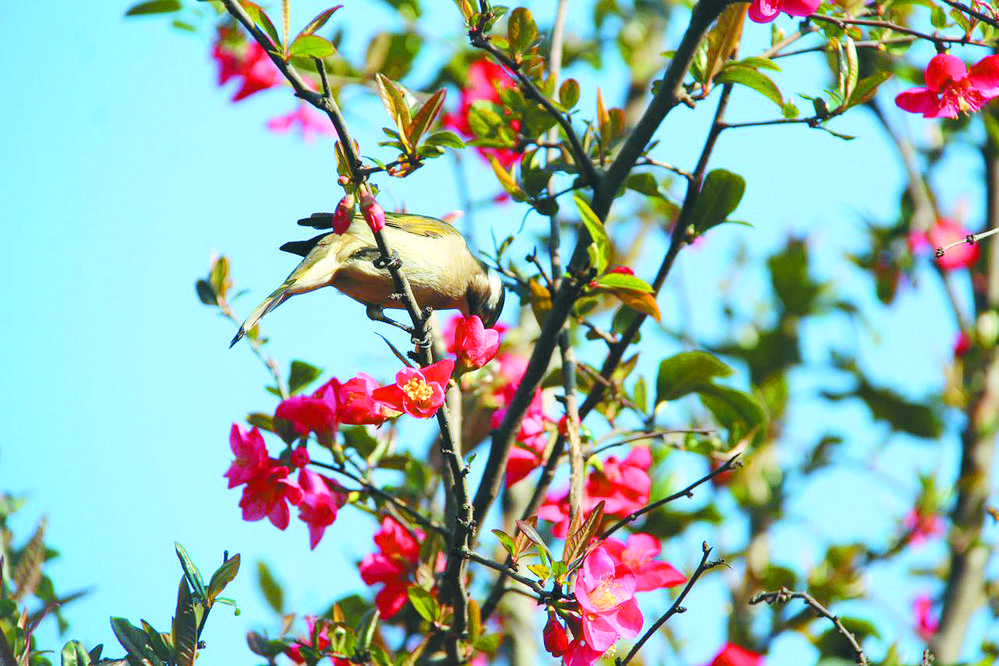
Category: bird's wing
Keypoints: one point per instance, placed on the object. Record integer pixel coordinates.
(420, 225)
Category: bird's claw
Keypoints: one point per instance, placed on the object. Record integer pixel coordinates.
(393, 262)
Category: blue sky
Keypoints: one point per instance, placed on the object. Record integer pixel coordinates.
(126, 167)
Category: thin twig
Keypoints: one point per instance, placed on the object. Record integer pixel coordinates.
(984, 18)
(676, 607)
(783, 595)
(505, 569)
(872, 23)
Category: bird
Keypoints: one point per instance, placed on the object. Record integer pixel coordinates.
(435, 258)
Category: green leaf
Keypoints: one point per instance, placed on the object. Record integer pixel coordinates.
(719, 197)
(273, 593)
(686, 372)
(758, 63)
(753, 79)
(205, 292)
(157, 642)
(643, 183)
(186, 621)
(302, 374)
(507, 542)
(359, 439)
(133, 639)
(425, 117)
(190, 571)
(737, 412)
(640, 394)
(74, 654)
(597, 233)
(488, 643)
(153, 7)
(366, 628)
(311, 46)
(483, 119)
(261, 20)
(521, 30)
(568, 93)
(319, 21)
(623, 281)
(222, 577)
(532, 535)
(867, 87)
(445, 138)
(423, 602)
(507, 180)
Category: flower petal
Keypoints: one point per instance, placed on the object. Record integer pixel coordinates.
(439, 372)
(984, 76)
(764, 11)
(800, 7)
(919, 100)
(943, 68)
(599, 632)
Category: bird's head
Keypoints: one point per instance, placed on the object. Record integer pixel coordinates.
(485, 297)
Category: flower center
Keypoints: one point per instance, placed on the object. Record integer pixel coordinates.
(418, 390)
(607, 594)
(963, 95)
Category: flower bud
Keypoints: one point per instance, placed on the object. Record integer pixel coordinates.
(372, 212)
(299, 457)
(344, 214)
(556, 640)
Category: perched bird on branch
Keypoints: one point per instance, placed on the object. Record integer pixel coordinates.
(435, 259)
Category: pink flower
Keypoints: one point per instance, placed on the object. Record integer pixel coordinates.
(251, 456)
(417, 392)
(317, 413)
(393, 566)
(344, 214)
(623, 486)
(606, 595)
(926, 622)
(485, 80)
(372, 212)
(733, 655)
(951, 89)
(267, 495)
(580, 654)
(555, 639)
(922, 526)
(947, 231)
(322, 643)
(637, 555)
(318, 505)
(475, 345)
(309, 122)
(356, 404)
(511, 370)
(532, 439)
(251, 63)
(765, 11)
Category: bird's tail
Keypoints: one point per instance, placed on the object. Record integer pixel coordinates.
(277, 297)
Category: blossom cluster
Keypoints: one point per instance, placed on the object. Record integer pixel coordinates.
(604, 590)
(622, 485)
(268, 489)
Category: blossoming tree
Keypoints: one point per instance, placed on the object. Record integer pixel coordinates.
(533, 524)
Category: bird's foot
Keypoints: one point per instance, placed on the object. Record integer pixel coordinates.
(393, 262)
(375, 313)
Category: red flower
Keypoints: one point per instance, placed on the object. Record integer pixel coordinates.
(310, 123)
(372, 212)
(580, 654)
(947, 231)
(417, 392)
(299, 457)
(317, 413)
(267, 494)
(926, 622)
(606, 594)
(765, 11)
(962, 344)
(951, 89)
(733, 655)
(922, 526)
(623, 487)
(485, 80)
(532, 439)
(393, 566)
(251, 456)
(318, 505)
(356, 404)
(250, 62)
(555, 639)
(322, 642)
(344, 214)
(474, 344)
(637, 555)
